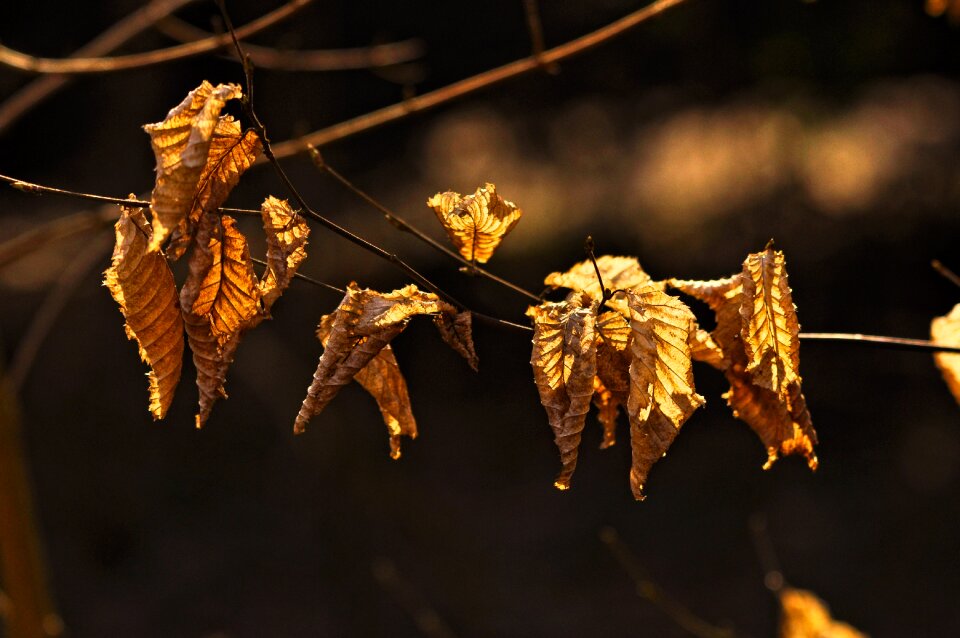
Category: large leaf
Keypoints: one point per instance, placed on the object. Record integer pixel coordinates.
(476, 224)
(141, 283)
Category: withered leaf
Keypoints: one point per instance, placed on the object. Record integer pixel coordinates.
(141, 283)
(769, 322)
(946, 331)
(476, 224)
(662, 395)
(230, 154)
(456, 330)
(287, 234)
(612, 384)
(564, 364)
(803, 615)
(181, 144)
(382, 378)
(363, 324)
(617, 272)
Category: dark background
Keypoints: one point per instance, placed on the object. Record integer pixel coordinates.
(833, 127)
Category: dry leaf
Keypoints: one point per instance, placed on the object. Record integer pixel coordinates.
(141, 283)
(456, 330)
(662, 395)
(362, 326)
(946, 331)
(608, 409)
(230, 154)
(806, 616)
(770, 327)
(287, 234)
(476, 223)
(619, 273)
(384, 381)
(564, 364)
(181, 144)
(612, 385)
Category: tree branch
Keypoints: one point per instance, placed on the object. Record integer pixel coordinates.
(896, 343)
(29, 63)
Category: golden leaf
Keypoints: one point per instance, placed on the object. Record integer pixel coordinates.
(287, 234)
(619, 273)
(946, 331)
(231, 153)
(564, 364)
(608, 409)
(181, 144)
(219, 300)
(382, 378)
(476, 223)
(770, 328)
(612, 384)
(806, 616)
(363, 324)
(662, 395)
(456, 330)
(780, 419)
(141, 283)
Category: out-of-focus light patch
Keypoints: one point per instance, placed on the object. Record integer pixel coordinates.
(466, 149)
(41, 267)
(937, 8)
(928, 457)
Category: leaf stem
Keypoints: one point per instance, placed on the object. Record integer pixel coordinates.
(948, 274)
(588, 247)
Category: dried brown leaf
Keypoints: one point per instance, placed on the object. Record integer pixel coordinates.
(612, 384)
(456, 330)
(476, 224)
(619, 273)
(806, 616)
(181, 144)
(287, 234)
(662, 395)
(231, 153)
(564, 364)
(141, 283)
(362, 326)
(946, 331)
(608, 409)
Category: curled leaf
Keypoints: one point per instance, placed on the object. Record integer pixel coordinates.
(612, 384)
(456, 330)
(476, 224)
(803, 615)
(618, 273)
(946, 331)
(662, 395)
(564, 364)
(181, 144)
(287, 234)
(141, 283)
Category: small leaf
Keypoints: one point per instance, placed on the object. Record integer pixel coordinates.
(287, 234)
(456, 330)
(946, 331)
(363, 324)
(181, 144)
(662, 395)
(803, 615)
(612, 385)
(618, 273)
(564, 364)
(476, 224)
(141, 283)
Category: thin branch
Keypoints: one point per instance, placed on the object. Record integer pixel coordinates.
(766, 554)
(535, 27)
(38, 189)
(948, 274)
(428, 621)
(55, 230)
(398, 222)
(472, 84)
(309, 280)
(29, 63)
(38, 90)
(896, 343)
(588, 247)
(378, 55)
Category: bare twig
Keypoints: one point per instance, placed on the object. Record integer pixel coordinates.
(309, 280)
(38, 90)
(428, 621)
(896, 343)
(29, 63)
(588, 247)
(535, 26)
(378, 55)
(948, 274)
(766, 554)
(472, 84)
(398, 222)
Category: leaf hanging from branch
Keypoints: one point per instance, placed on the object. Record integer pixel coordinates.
(141, 283)
(803, 615)
(456, 330)
(564, 364)
(287, 234)
(181, 144)
(662, 395)
(230, 154)
(612, 383)
(363, 325)
(476, 224)
(946, 331)
(619, 273)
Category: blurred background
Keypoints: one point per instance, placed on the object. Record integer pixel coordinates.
(833, 127)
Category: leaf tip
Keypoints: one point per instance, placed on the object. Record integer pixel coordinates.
(562, 485)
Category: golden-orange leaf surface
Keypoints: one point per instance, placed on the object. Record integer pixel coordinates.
(363, 324)
(476, 224)
(803, 615)
(612, 384)
(662, 394)
(564, 364)
(287, 234)
(946, 331)
(141, 283)
(617, 272)
(181, 144)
